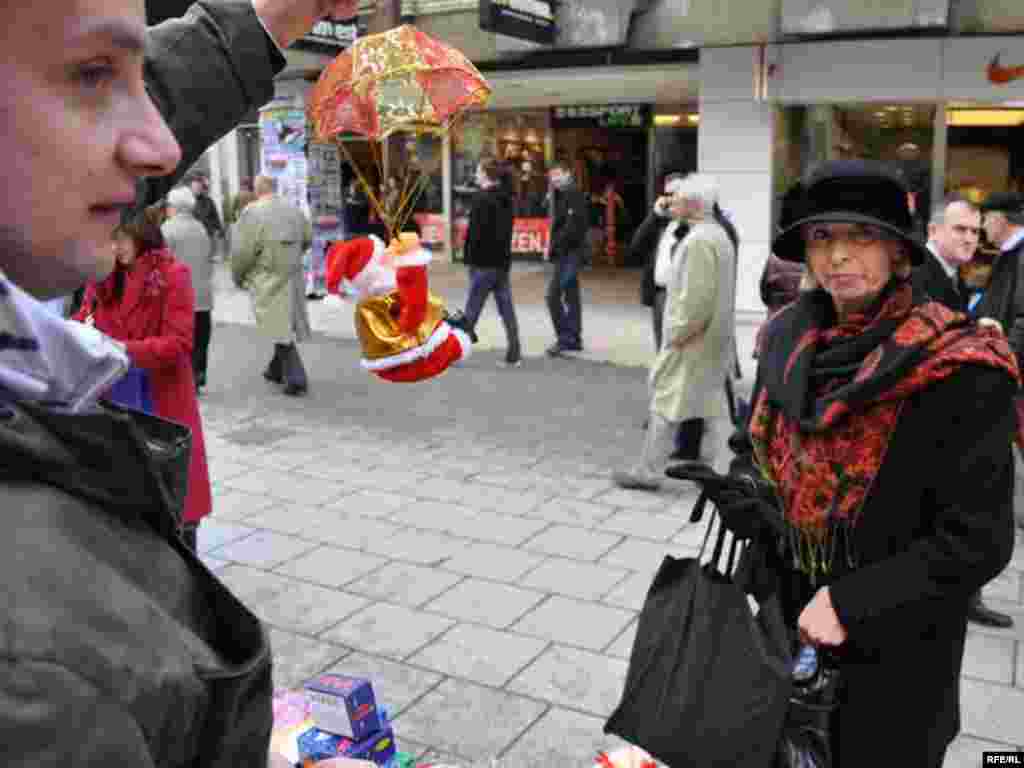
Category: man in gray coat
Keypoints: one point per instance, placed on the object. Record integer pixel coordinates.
(189, 242)
(688, 376)
(266, 260)
(118, 646)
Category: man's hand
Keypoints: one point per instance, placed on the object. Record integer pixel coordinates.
(818, 622)
(288, 20)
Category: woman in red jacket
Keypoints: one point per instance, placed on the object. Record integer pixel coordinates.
(147, 303)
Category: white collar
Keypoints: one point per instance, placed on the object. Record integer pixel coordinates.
(47, 359)
(1013, 242)
(948, 268)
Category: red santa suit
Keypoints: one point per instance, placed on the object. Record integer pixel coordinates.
(400, 325)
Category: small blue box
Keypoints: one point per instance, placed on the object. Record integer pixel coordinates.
(344, 705)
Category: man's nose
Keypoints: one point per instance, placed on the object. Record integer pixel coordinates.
(149, 148)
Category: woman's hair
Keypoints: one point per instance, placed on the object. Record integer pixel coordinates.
(144, 229)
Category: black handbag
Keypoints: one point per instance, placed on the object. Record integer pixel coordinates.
(708, 682)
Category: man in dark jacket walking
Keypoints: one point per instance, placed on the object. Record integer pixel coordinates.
(568, 235)
(488, 253)
(205, 209)
(118, 648)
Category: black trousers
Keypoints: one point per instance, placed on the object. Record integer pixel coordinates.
(286, 368)
(201, 344)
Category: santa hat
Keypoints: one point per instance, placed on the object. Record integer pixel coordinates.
(347, 264)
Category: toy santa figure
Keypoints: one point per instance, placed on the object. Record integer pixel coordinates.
(403, 329)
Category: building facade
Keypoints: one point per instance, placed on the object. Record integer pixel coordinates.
(754, 93)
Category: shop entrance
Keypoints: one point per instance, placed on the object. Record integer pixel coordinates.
(610, 166)
(899, 135)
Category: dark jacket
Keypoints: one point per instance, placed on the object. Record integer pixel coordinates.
(926, 542)
(1015, 331)
(780, 282)
(118, 647)
(206, 212)
(931, 279)
(999, 300)
(569, 223)
(489, 237)
(643, 248)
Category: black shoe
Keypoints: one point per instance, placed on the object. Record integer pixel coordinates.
(459, 320)
(316, 296)
(682, 455)
(295, 390)
(555, 350)
(980, 613)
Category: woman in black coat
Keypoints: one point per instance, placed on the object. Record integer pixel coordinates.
(882, 422)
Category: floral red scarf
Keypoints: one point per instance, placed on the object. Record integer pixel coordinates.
(830, 398)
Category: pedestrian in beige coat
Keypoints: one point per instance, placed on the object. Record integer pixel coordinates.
(688, 376)
(273, 234)
(189, 242)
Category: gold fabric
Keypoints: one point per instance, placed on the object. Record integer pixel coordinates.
(377, 325)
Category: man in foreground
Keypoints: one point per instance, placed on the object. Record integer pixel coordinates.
(119, 648)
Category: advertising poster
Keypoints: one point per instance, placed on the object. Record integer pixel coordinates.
(325, 208)
(283, 131)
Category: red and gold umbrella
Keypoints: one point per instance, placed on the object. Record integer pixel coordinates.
(401, 80)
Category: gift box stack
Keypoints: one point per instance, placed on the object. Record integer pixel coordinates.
(347, 722)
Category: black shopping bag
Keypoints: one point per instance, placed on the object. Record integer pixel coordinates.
(708, 682)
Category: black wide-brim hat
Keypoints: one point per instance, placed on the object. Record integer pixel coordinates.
(1010, 204)
(850, 192)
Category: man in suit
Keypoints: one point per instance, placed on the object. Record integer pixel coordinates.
(954, 231)
(1004, 228)
(267, 260)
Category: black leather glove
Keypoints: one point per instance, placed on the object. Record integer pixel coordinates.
(745, 503)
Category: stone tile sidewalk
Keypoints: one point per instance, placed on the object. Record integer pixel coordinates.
(492, 603)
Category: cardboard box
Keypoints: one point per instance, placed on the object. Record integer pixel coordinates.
(316, 744)
(344, 706)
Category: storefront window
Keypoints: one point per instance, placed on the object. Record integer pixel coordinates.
(519, 139)
(899, 135)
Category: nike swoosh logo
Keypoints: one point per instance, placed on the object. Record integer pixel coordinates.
(1000, 75)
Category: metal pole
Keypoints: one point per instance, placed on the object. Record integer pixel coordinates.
(446, 195)
(940, 132)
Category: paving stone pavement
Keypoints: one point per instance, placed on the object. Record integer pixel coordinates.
(460, 543)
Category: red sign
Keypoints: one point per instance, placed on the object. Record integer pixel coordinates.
(530, 236)
(431, 228)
